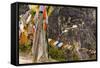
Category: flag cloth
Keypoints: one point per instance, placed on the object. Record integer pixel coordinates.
(39, 47)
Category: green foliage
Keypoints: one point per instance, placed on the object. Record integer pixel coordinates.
(56, 54)
(33, 13)
(24, 48)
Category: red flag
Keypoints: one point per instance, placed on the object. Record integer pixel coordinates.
(44, 13)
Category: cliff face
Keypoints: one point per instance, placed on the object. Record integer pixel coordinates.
(64, 18)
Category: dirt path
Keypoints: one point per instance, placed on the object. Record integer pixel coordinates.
(25, 58)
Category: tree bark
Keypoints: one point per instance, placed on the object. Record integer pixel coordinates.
(39, 48)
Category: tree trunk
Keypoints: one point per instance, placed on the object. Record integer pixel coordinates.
(39, 48)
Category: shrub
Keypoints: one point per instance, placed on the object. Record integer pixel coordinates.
(56, 54)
